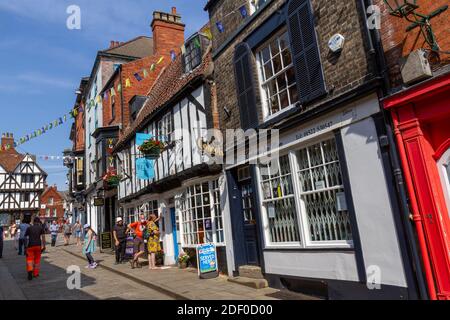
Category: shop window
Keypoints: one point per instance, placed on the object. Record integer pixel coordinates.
(279, 202)
(277, 75)
(201, 217)
(311, 200)
(322, 193)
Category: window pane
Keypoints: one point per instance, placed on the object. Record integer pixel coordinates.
(287, 59)
(277, 64)
(283, 224)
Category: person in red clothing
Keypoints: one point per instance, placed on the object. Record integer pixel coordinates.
(36, 245)
(138, 227)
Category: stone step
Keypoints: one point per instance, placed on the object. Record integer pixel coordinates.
(253, 272)
(250, 282)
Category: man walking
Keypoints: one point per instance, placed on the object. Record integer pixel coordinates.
(22, 238)
(35, 247)
(120, 240)
(54, 232)
(67, 232)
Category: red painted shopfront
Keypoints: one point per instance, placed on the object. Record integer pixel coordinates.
(421, 118)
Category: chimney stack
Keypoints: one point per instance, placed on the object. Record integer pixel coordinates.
(168, 32)
(8, 140)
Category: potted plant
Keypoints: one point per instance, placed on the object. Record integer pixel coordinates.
(159, 259)
(183, 260)
(112, 179)
(152, 148)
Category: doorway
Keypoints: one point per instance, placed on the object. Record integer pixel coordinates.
(175, 233)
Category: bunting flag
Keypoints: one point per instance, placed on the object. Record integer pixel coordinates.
(152, 67)
(138, 77)
(207, 33)
(98, 99)
(145, 72)
(197, 42)
(113, 93)
(160, 60)
(127, 83)
(220, 27)
(243, 11)
(173, 55)
(119, 87)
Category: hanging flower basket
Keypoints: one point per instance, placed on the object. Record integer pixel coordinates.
(112, 180)
(151, 149)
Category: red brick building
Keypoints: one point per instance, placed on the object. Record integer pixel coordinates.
(52, 205)
(419, 104)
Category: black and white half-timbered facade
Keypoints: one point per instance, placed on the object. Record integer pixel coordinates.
(22, 182)
(185, 189)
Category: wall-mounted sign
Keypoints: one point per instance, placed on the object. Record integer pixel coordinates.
(336, 43)
(207, 261)
(99, 202)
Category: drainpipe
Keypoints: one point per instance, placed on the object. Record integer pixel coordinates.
(376, 47)
(416, 217)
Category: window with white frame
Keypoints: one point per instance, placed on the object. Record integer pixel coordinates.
(322, 193)
(277, 74)
(50, 201)
(316, 190)
(201, 217)
(47, 213)
(279, 201)
(166, 128)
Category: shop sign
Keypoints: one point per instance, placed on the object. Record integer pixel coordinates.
(106, 240)
(99, 202)
(207, 261)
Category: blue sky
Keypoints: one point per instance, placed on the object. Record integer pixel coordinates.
(41, 61)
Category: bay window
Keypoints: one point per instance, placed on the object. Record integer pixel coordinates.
(201, 217)
(303, 198)
(277, 75)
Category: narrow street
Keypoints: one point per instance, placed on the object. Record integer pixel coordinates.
(52, 284)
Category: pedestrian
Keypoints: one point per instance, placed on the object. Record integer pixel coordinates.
(1, 242)
(54, 232)
(153, 244)
(138, 228)
(22, 238)
(77, 232)
(120, 240)
(89, 246)
(67, 232)
(15, 235)
(35, 247)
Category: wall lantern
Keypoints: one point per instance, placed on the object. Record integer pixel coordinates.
(407, 9)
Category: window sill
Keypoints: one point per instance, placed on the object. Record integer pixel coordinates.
(309, 248)
(280, 115)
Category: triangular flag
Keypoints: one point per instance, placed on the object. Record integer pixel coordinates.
(220, 27)
(152, 67)
(243, 11)
(160, 60)
(145, 73)
(173, 55)
(127, 83)
(119, 87)
(207, 33)
(138, 77)
(113, 92)
(60, 121)
(99, 99)
(197, 42)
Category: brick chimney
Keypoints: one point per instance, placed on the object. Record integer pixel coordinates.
(8, 140)
(168, 32)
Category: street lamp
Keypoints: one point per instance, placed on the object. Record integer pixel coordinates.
(407, 9)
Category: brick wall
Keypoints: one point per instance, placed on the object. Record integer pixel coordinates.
(398, 44)
(343, 73)
(52, 192)
(79, 142)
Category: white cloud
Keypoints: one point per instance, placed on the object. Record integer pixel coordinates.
(45, 80)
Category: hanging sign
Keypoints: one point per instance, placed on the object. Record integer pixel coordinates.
(99, 202)
(207, 261)
(141, 138)
(145, 169)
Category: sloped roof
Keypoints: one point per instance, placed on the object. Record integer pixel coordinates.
(138, 47)
(170, 82)
(10, 159)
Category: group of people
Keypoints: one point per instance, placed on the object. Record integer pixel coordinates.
(146, 240)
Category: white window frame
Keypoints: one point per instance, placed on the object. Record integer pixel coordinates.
(178, 210)
(261, 82)
(443, 163)
(305, 241)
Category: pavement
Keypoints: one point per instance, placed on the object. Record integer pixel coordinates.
(111, 281)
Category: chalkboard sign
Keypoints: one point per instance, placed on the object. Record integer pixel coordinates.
(106, 240)
(207, 261)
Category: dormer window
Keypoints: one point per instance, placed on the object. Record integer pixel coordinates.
(192, 56)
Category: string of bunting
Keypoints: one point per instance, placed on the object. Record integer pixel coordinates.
(242, 9)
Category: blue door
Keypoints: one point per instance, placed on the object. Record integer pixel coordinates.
(175, 231)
